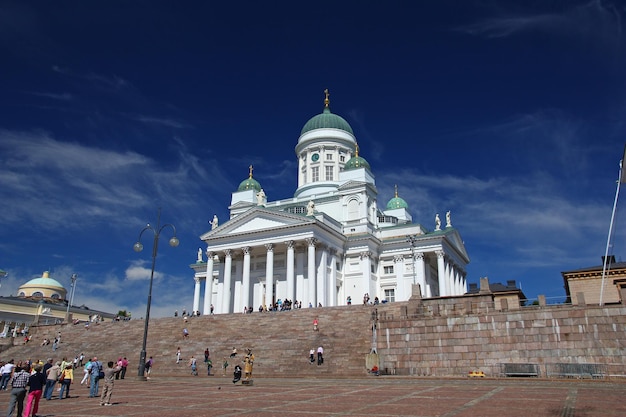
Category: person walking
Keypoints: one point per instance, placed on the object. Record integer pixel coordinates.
(36, 382)
(66, 380)
(6, 370)
(224, 366)
(194, 366)
(311, 356)
(18, 381)
(148, 367)
(94, 373)
(320, 355)
(124, 367)
(109, 377)
(52, 376)
(86, 370)
(178, 355)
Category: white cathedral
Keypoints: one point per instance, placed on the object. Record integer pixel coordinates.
(329, 242)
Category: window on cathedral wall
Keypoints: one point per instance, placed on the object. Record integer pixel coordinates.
(329, 173)
(388, 269)
(315, 174)
(353, 209)
(329, 156)
(342, 158)
(390, 295)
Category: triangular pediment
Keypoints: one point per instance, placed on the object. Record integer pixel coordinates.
(257, 220)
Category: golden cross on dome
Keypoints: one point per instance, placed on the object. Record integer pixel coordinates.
(326, 100)
(396, 190)
(251, 168)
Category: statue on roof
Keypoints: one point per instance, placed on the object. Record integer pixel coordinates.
(448, 220)
(261, 198)
(199, 255)
(310, 208)
(437, 222)
(214, 222)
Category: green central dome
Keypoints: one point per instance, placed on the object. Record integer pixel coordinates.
(326, 120)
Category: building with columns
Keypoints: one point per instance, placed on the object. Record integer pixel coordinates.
(329, 242)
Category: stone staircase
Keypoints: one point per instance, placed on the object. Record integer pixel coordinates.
(280, 341)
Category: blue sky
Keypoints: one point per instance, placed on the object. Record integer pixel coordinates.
(510, 114)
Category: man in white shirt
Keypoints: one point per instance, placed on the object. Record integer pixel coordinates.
(6, 371)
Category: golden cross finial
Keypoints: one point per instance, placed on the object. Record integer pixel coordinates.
(356, 151)
(326, 100)
(250, 167)
(396, 190)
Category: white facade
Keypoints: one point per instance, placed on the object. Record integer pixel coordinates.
(329, 242)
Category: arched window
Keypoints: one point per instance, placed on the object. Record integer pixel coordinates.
(38, 294)
(353, 209)
(55, 296)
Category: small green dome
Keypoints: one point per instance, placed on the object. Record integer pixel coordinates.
(326, 120)
(249, 183)
(397, 202)
(356, 162)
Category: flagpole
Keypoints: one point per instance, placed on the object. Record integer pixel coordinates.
(608, 240)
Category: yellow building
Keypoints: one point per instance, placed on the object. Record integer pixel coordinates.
(41, 300)
(583, 286)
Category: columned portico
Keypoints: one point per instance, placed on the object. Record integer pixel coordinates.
(290, 246)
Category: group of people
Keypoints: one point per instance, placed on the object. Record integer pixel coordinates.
(320, 355)
(41, 379)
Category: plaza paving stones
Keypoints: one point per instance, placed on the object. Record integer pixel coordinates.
(364, 397)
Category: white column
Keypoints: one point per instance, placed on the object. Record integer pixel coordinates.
(269, 275)
(311, 272)
(196, 295)
(227, 295)
(208, 284)
(245, 279)
(366, 268)
(332, 282)
(322, 278)
(290, 275)
(441, 273)
(448, 276)
(300, 288)
(401, 281)
(420, 274)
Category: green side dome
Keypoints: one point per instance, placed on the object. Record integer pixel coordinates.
(249, 183)
(326, 120)
(397, 202)
(356, 162)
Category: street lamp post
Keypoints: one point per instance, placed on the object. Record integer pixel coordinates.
(138, 247)
(73, 278)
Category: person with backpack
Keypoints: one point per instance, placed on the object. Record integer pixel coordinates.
(94, 374)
